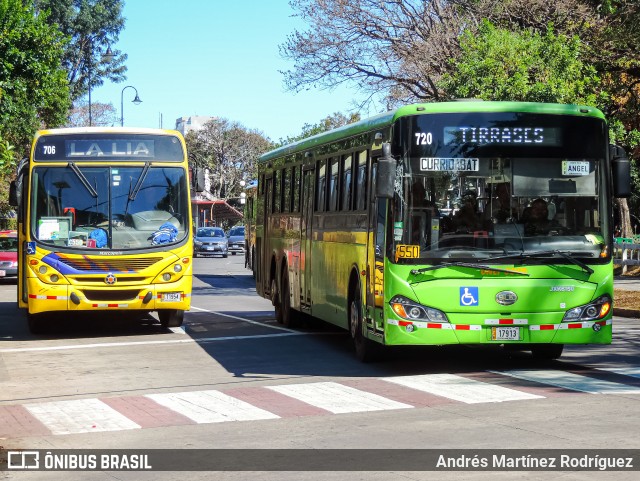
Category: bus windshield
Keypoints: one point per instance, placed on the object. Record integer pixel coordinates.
(480, 188)
(119, 207)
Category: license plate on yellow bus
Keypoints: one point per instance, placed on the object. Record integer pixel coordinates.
(171, 297)
(506, 333)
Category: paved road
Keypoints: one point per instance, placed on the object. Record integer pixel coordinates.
(233, 378)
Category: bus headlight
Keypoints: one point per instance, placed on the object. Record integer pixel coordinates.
(412, 311)
(589, 312)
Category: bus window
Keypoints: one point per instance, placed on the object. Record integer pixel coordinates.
(295, 187)
(347, 187)
(333, 185)
(321, 187)
(277, 191)
(286, 190)
(361, 181)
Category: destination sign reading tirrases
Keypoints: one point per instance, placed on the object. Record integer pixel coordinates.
(539, 136)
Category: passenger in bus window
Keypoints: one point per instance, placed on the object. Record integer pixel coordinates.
(536, 219)
(467, 219)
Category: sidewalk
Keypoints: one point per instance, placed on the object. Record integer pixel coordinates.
(626, 283)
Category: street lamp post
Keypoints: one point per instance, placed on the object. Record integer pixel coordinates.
(106, 57)
(136, 101)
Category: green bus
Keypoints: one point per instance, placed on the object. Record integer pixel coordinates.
(467, 222)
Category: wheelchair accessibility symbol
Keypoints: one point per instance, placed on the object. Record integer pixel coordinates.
(468, 296)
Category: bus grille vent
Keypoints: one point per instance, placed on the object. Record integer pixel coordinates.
(111, 295)
(130, 264)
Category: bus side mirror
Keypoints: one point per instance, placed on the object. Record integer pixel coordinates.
(13, 194)
(621, 171)
(386, 174)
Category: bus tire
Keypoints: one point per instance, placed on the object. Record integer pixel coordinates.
(547, 352)
(171, 317)
(289, 316)
(366, 350)
(275, 300)
(36, 323)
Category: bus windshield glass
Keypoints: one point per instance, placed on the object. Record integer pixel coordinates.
(489, 186)
(109, 207)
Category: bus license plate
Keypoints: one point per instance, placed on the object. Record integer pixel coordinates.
(3, 273)
(171, 297)
(504, 333)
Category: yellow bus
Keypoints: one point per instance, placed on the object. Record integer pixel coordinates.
(104, 223)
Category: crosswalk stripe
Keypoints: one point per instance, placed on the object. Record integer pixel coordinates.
(338, 398)
(569, 380)
(210, 407)
(460, 388)
(79, 416)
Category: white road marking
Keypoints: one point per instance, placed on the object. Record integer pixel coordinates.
(211, 407)
(337, 398)
(460, 388)
(243, 319)
(571, 381)
(79, 416)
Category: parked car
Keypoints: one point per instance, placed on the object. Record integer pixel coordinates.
(8, 254)
(236, 239)
(210, 241)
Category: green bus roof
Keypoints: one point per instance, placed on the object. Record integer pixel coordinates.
(387, 118)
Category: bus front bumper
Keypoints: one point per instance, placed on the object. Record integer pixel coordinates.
(430, 333)
(49, 298)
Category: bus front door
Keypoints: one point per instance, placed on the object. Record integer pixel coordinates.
(375, 257)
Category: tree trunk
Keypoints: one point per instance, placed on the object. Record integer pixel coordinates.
(625, 219)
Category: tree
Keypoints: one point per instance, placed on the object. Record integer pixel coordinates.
(104, 115)
(229, 151)
(499, 64)
(33, 87)
(401, 49)
(93, 26)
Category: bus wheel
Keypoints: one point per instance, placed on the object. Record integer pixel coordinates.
(289, 316)
(547, 352)
(366, 350)
(36, 323)
(277, 305)
(171, 317)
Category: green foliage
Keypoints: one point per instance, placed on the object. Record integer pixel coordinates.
(92, 26)
(498, 64)
(33, 85)
(229, 152)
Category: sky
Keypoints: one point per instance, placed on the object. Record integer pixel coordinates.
(215, 58)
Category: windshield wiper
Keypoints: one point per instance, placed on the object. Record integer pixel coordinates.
(466, 264)
(133, 193)
(83, 179)
(530, 255)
